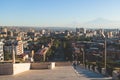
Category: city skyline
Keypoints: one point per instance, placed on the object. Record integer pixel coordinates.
(62, 13)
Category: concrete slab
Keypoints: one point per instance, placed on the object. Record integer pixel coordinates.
(59, 73)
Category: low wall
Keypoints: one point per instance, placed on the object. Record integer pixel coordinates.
(51, 65)
(6, 69)
(20, 67)
(57, 64)
(42, 65)
(12, 69)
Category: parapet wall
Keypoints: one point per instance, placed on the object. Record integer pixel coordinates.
(6, 69)
(20, 67)
(12, 69)
(42, 65)
(58, 64)
(49, 65)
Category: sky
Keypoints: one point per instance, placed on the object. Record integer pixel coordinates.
(45, 13)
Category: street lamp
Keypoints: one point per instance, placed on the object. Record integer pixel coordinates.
(105, 52)
(105, 55)
(83, 56)
(13, 54)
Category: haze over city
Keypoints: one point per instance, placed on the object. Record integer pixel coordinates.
(60, 13)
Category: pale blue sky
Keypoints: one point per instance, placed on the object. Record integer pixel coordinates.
(56, 12)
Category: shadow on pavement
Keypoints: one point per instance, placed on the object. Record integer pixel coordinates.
(90, 74)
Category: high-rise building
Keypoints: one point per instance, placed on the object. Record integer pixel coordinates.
(100, 31)
(110, 34)
(43, 31)
(81, 30)
(1, 52)
(3, 32)
(18, 47)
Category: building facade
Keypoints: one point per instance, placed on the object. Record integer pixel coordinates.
(17, 45)
(19, 48)
(1, 52)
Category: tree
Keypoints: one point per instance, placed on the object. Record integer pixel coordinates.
(56, 43)
(67, 50)
(7, 56)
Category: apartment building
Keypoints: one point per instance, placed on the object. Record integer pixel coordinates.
(1, 52)
(17, 45)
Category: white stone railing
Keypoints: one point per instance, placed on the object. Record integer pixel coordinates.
(115, 75)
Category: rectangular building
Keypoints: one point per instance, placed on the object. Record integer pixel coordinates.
(1, 52)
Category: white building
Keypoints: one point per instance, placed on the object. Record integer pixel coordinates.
(18, 47)
(43, 31)
(81, 30)
(1, 52)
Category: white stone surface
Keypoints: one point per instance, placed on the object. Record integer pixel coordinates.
(51, 65)
(20, 67)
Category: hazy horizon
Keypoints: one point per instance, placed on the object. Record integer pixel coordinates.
(62, 13)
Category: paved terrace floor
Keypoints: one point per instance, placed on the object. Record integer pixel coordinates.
(90, 74)
(59, 73)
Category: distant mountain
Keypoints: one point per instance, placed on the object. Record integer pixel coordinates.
(101, 23)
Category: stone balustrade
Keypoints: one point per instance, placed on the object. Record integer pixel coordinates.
(96, 69)
(115, 75)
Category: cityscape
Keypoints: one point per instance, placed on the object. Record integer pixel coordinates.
(54, 40)
(86, 46)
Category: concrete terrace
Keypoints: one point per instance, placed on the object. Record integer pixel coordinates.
(90, 74)
(59, 73)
